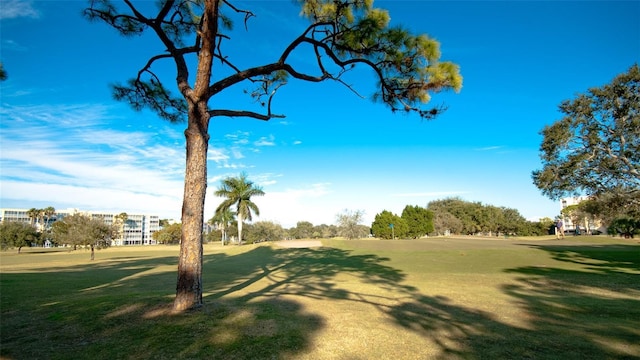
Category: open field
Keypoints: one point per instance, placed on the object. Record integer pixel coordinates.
(438, 298)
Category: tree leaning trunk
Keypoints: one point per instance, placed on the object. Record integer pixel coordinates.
(189, 285)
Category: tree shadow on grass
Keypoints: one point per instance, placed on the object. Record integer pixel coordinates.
(120, 309)
(595, 298)
(554, 318)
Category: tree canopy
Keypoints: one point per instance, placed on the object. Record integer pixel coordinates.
(419, 221)
(594, 149)
(16, 234)
(82, 230)
(349, 224)
(264, 231)
(459, 216)
(170, 234)
(387, 225)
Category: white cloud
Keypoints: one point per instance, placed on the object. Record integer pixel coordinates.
(265, 141)
(217, 155)
(12, 9)
(163, 202)
(239, 138)
(63, 156)
(307, 203)
(286, 207)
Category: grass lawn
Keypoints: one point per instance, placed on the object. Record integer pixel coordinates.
(466, 298)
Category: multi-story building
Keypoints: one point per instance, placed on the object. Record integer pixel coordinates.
(138, 228)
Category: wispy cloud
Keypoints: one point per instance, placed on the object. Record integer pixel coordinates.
(265, 141)
(65, 155)
(490, 148)
(12, 9)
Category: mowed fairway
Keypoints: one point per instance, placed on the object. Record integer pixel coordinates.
(467, 298)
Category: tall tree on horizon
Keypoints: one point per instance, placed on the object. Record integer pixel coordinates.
(594, 149)
(238, 192)
(194, 34)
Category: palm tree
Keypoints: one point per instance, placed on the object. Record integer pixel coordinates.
(223, 218)
(41, 216)
(48, 212)
(238, 191)
(33, 214)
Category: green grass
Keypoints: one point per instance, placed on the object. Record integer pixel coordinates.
(464, 298)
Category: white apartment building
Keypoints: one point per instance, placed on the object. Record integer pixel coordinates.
(138, 228)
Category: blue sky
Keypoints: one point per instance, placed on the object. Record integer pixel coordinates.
(65, 143)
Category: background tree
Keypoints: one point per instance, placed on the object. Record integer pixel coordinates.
(33, 214)
(223, 218)
(467, 213)
(303, 230)
(48, 213)
(381, 226)
(460, 216)
(238, 192)
(16, 234)
(348, 222)
(326, 231)
(577, 214)
(169, 234)
(419, 221)
(594, 149)
(514, 223)
(341, 36)
(626, 227)
(121, 222)
(264, 231)
(81, 230)
(446, 223)
(40, 221)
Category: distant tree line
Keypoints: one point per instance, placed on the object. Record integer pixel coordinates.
(348, 225)
(455, 216)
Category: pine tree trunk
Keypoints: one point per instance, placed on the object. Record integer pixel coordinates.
(189, 285)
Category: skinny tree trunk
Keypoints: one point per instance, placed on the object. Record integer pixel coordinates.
(239, 228)
(189, 285)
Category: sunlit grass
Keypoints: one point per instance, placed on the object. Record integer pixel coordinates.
(405, 299)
